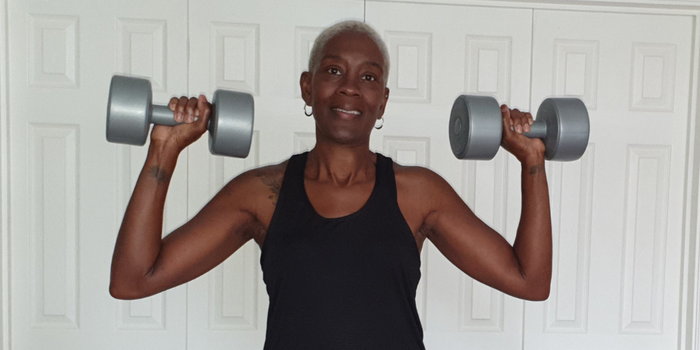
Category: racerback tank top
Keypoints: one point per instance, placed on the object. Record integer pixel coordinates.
(341, 283)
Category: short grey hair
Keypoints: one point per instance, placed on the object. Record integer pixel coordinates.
(350, 26)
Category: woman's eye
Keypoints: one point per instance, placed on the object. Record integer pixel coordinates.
(334, 71)
(370, 78)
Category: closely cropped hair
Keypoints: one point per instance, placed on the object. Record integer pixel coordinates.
(350, 26)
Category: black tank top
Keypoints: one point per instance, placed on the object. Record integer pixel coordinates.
(341, 283)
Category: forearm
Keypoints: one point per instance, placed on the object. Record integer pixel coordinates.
(139, 240)
(533, 244)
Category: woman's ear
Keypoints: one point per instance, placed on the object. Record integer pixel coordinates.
(305, 84)
(385, 98)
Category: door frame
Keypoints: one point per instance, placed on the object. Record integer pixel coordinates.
(4, 180)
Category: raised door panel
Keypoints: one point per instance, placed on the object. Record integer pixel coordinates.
(617, 212)
(69, 186)
(437, 53)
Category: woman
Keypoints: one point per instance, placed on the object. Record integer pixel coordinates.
(340, 227)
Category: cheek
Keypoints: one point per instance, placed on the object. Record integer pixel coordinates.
(321, 93)
(378, 102)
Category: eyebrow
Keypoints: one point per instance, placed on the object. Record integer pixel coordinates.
(371, 63)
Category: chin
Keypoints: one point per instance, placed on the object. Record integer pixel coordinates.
(346, 137)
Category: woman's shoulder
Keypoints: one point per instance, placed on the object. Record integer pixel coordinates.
(253, 190)
(418, 178)
(421, 192)
(270, 171)
(259, 179)
(414, 172)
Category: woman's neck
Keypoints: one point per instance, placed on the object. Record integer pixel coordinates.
(341, 165)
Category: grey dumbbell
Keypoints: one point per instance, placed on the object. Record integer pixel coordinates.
(476, 128)
(130, 113)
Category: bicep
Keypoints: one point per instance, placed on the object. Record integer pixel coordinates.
(211, 236)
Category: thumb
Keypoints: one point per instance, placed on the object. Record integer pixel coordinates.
(204, 108)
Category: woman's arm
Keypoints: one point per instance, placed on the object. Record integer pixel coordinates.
(533, 242)
(143, 264)
(523, 270)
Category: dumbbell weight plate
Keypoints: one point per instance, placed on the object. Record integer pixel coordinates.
(130, 99)
(568, 128)
(232, 135)
(475, 127)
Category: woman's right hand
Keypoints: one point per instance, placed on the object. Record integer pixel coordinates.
(193, 113)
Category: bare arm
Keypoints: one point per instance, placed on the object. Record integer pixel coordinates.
(144, 264)
(523, 270)
(533, 243)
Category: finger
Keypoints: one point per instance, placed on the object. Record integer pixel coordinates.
(180, 109)
(203, 105)
(172, 105)
(516, 117)
(190, 108)
(527, 122)
(507, 120)
(204, 108)
(521, 121)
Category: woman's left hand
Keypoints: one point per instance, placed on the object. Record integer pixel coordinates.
(525, 149)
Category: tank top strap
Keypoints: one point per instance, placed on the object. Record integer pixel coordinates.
(293, 181)
(385, 177)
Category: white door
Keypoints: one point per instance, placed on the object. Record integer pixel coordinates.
(69, 186)
(259, 47)
(618, 212)
(437, 53)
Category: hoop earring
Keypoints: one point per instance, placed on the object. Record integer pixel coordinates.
(308, 114)
(380, 125)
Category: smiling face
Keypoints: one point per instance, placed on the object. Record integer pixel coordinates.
(347, 89)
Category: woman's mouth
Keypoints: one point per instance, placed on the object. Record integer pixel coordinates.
(347, 111)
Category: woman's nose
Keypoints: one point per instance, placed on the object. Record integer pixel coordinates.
(350, 86)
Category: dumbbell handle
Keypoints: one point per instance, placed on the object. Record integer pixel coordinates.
(538, 130)
(162, 115)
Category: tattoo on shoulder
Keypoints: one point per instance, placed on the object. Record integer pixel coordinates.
(159, 174)
(274, 182)
(536, 169)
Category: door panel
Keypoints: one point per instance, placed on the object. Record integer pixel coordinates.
(69, 186)
(617, 213)
(437, 53)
